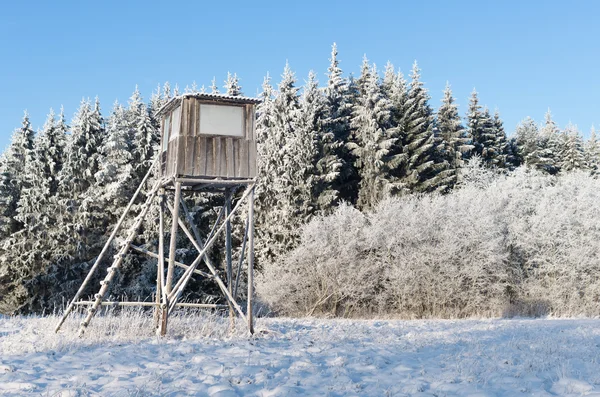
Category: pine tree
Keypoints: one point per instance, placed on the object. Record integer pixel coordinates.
(115, 180)
(527, 135)
(287, 108)
(481, 130)
(571, 154)
(142, 134)
(213, 87)
(338, 168)
(546, 150)
(284, 196)
(232, 86)
(42, 173)
(419, 171)
(592, 152)
(317, 142)
(389, 80)
(13, 176)
(492, 140)
(454, 146)
(395, 89)
(371, 143)
(81, 162)
(269, 159)
(504, 158)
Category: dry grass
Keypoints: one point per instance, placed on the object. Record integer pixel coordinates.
(130, 326)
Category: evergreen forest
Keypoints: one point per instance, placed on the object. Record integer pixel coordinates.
(371, 200)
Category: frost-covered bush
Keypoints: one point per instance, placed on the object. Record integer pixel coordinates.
(320, 276)
(522, 244)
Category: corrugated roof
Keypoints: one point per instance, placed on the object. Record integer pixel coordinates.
(212, 97)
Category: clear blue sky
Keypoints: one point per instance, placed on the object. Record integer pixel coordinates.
(522, 56)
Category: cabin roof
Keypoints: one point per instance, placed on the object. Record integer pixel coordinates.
(173, 102)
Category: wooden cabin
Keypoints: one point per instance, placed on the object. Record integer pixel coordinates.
(208, 136)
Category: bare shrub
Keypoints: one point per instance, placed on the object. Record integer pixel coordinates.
(493, 247)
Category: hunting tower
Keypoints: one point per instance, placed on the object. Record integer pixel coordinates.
(207, 144)
(208, 136)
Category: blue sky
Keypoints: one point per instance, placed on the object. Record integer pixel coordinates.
(522, 56)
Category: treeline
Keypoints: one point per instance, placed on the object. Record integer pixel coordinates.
(360, 140)
(354, 140)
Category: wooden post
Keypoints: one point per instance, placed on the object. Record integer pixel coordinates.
(173, 243)
(160, 266)
(229, 266)
(164, 317)
(249, 313)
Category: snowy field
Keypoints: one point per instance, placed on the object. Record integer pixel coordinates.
(119, 357)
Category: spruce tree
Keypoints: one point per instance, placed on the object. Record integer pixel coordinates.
(549, 145)
(316, 145)
(419, 173)
(572, 156)
(492, 140)
(475, 123)
(213, 86)
(81, 161)
(115, 179)
(338, 106)
(232, 85)
(14, 177)
(395, 89)
(269, 159)
(504, 158)
(592, 152)
(370, 144)
(527, 134)
(42, 173)
(143, 134)
(454, 146)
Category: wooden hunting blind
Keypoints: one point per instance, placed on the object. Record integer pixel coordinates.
(207, 144)
(208, 136)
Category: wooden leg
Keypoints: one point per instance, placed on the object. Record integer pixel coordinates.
(160, 265)
(164, 317)
(228, 259)
(249, 313)
(173, 242)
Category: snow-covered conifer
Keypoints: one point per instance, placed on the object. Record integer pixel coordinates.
(214, 89)
(315, 146)
(13, 175)
(572, 156)
(42, 174)
(419, 169)
(142, 133)
(592, 152)
(454, 146)
(371, 143)
(82, 157)
(527, 134)
(339, 169)
(115, 181)
(232, 85)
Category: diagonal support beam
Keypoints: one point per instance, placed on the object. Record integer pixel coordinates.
(202, 251)
(241, 261)
(178, 264)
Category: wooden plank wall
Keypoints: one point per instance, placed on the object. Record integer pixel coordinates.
(195, 155)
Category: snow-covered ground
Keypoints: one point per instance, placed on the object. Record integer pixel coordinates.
(120, 357)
